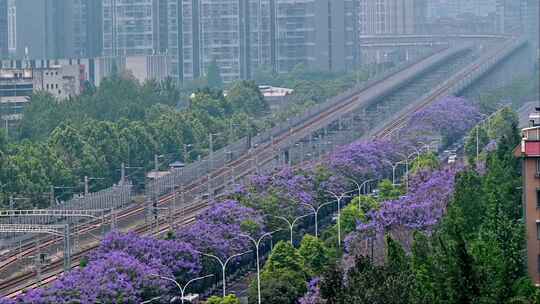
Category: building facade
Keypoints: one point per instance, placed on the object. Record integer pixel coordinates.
(37, 29)
(391, 17)
(511, 16)
(533, 24)
(85, 28)
(241, 36)
(529, 152)
(3, 28)
(52, 29)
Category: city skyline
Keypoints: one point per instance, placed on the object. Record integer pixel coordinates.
(241, 36)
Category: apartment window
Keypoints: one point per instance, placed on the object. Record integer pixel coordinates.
(538, 264)
(538, 167)
(537, 197)
(538, 230)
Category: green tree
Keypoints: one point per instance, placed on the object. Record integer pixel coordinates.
(283, 279)
(213, 75)
(467, 200)
(425, 287)
(504, 123)
(41, 116)
(397, 260)
(477, 136)
(229, 299)
(387, 191)
(279, 287)
(245, 96)
(285, 257)
(314, 253)
(428, 161)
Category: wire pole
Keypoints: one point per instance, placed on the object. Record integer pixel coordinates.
(122, 174)
(211, 166)
(52, 196)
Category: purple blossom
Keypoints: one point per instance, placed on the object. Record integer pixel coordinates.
(313, 295)
(115, 278)
(218, 229)
(421, 209)
(449, 117)
(178, 257)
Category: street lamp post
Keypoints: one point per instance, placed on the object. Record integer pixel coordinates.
(224, 266)
(357, 185)
(338, 199)
(364, 184)
(180, 287)
(291, 224)
(257, 244)
(316, 214)
(394, 167)
(407, 169)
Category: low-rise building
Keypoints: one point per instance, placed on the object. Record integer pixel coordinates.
(142, 68)
(275, 96)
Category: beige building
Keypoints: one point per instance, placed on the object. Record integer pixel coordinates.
(142, 68)
(62, 81)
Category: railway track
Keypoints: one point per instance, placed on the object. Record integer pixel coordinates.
(443, 90)
(53, 270)
(242, 166)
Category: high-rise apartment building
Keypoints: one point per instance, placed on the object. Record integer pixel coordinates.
(37, 28)
(379, 17)
(86, 28)
(533, 24)
(239, 35)
(314, 33)
(47, 29)
(223, 36)
(3, 28)
(244, 35)
(511, 16)
(260, 35)
(454, 8)
(129, 27)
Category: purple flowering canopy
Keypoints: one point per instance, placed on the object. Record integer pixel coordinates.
(178, 257)
(366, 159)
(421, 209)
(449, 117)
(116, 278)
(313, 295)
(218, 229)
